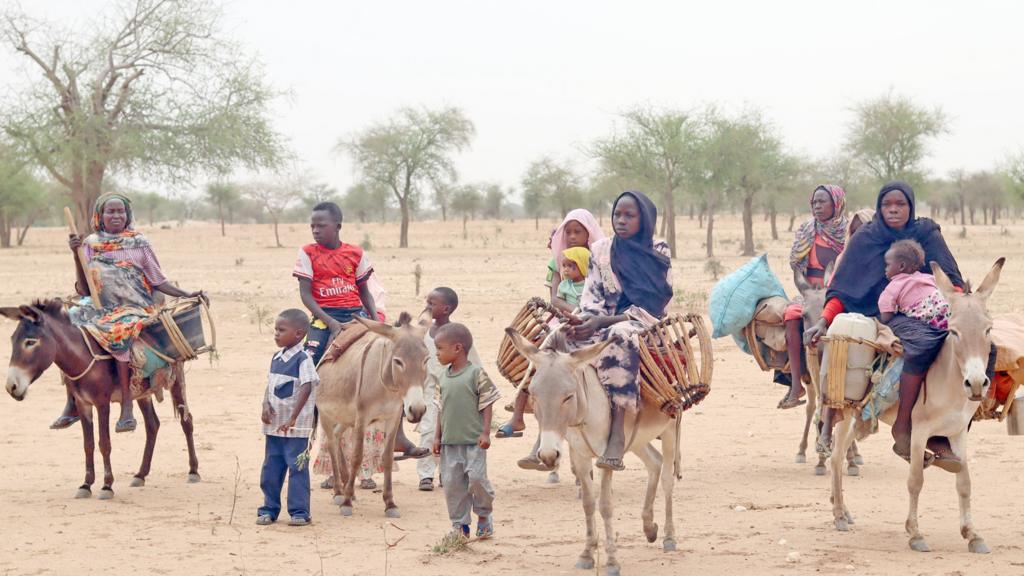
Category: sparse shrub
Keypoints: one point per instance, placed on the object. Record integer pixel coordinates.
(239, 261)
(260, 315)
(714, 268)
(367, 244)
(963, 232)
(452, 542)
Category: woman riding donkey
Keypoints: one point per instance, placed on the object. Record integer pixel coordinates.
(127, 273)
(627, 291)
(860, 280)
(818, 244)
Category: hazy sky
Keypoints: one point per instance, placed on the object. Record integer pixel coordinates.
(548, 77)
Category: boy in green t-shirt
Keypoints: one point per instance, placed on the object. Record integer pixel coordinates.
(463, 433)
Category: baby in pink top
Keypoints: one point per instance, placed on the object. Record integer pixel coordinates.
(911, 292)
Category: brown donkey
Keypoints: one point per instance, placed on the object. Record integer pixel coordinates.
(45, 336)
(371, 381)
(956, 384)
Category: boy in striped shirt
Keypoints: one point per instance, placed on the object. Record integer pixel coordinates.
(288, 421)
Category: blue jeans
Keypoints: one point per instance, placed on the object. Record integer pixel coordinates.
(317, 339)
(280, 459)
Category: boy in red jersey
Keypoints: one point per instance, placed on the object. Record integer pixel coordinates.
(334, 287)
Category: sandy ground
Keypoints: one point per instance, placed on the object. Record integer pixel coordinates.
(737, 448)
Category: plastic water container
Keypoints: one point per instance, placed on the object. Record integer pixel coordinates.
(860, 356)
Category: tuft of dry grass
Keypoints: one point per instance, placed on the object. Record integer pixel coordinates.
(451, 543)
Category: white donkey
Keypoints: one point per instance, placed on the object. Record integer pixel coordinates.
(571, 404)
(956, 384)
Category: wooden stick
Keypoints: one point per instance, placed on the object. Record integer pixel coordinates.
(94, 292)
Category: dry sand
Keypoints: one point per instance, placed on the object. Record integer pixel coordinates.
(737, 448)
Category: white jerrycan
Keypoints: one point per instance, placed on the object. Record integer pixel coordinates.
(859, 356)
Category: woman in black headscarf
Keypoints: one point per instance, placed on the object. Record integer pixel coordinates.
(627, 291)
(859, 281)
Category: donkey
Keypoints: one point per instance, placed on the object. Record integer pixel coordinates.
(956, 384)
(571, 404)
(814, 304)
(371, 381)
(46, 336)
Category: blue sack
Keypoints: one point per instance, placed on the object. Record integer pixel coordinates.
(734, 298)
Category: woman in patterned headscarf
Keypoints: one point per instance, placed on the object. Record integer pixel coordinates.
(126, 273)
(818, 244)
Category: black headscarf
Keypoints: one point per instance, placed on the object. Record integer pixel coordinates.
(860, 278)
(640, 268)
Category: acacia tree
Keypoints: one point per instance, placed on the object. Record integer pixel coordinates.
(408, 151)
(759, 164)
(275, 195)
(889, 134)
(23, 198)
(656, 147)
(366, 199)
(466, 200)
(154, 90)
(222, 195)
(554, 182)
(493, 200)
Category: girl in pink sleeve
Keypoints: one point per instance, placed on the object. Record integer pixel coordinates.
(911, 292)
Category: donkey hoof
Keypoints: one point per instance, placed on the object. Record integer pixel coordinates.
(585, 563)
(842, 525)
(84, 492)
(612, 571)
(858, 460)
(392, 513)
(819, 470)
(978, 546)
(339, 500)
(106, 493)
(553, 478)
(853, 471)
(669, 545)
(346, 510)
(849, 518)
(194, 478)
(801, 458)
(137, 482)
(651, 532)
(918, 544)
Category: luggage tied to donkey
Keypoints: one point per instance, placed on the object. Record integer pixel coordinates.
(1005, 399)
(534, 322)
(674, 373)
(764, 337)
(856, 348)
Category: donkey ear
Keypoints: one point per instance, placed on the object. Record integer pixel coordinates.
(377, 327)
(942, 281)
(830, 271)
(591, 353)
(11, 312)
(523, 346)
(802, 285)
(991, 280)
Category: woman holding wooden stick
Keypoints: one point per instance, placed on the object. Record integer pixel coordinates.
(125, 272)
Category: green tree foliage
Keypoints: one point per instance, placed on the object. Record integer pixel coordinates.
(548, 184)
(366, 200)
(657, 148)
(23, 198)
(889, 134)
(493, 200)
(409, 151)
(223, 196)
(154, 89)
(467, 201)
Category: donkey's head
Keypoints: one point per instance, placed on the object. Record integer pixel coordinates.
(814, 298)
(970, 328)
(558, 397)
(33, 345)
(408, 363)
